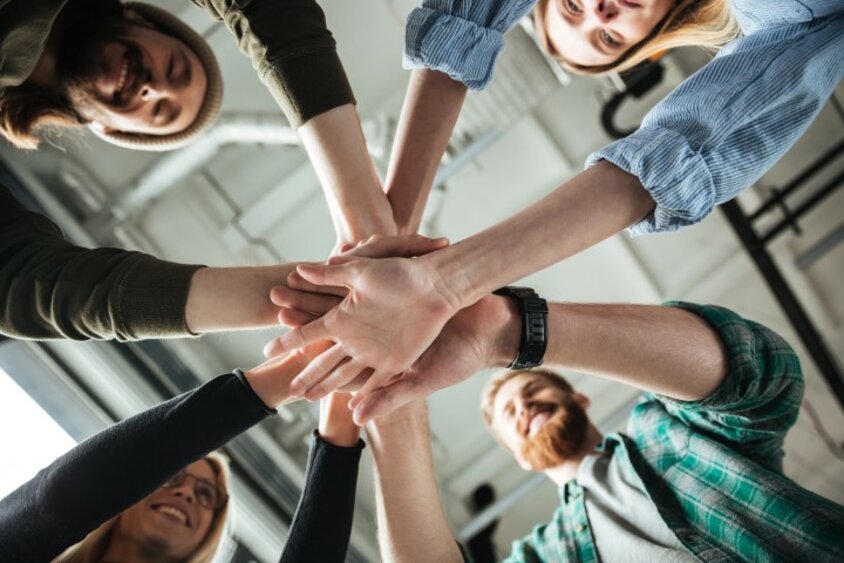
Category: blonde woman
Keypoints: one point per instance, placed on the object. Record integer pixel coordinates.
(711, 138)
(146, 490)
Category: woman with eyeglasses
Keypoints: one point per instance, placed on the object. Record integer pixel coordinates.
(147, 489)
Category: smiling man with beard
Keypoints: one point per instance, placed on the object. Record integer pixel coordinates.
(697, 475)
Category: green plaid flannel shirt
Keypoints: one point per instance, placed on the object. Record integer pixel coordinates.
(713, 468)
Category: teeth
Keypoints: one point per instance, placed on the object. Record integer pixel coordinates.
(173, 511)
(123, 73)
(536, 423)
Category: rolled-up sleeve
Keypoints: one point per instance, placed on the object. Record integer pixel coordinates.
(730, 122)
(461, 38)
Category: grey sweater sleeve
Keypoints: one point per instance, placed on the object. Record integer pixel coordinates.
(116, 468)
(53, 289)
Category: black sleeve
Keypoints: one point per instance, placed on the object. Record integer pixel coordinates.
(119, 466)
(322, 524)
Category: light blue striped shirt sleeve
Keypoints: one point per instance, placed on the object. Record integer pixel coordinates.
(727, 124)
(461, 38)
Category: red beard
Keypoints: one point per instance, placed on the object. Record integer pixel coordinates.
(559, 439)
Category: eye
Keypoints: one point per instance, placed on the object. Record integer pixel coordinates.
(572, 7)
(206, 494)
(609, 40)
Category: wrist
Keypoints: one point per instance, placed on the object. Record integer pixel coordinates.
(336, 425)
(506, 340)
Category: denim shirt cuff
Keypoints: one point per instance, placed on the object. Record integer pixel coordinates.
(675, 175)
(463, 50)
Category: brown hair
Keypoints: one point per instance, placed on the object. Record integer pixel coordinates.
(494, 385)
(28, 111)
(92, 548)
(702, 23)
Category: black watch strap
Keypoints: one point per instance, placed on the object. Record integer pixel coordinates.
(534, 337)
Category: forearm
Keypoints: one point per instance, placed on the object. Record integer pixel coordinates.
(233, 298)
(336, 425)
(410, 517)
(665, 350)
(337, 148)
(431, 107)
(589, 208)
(78, 492)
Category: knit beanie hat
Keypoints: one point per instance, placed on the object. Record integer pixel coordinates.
(210, 110)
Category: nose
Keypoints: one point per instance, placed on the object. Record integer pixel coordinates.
(154, 88)
(522, 410)
(185, 491)
(606, 10)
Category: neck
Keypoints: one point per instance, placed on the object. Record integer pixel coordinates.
(567, 470)
(125, 548)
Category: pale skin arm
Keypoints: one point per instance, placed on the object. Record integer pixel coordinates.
(665, 350)
(410, 518)
(336, 147)
(431, 107)
(375, 326)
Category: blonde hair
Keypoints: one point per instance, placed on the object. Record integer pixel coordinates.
(709, 24)
(92, 548)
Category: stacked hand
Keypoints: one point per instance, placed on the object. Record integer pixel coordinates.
(394, 327)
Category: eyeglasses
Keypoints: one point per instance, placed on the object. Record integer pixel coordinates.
(207, 493)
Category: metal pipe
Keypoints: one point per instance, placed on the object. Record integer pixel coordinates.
(826, 244)
(788, 301)
(805, 207)
(496, 509)
(176, 166)
(802, 178)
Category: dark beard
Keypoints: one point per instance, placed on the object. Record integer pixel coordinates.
(559, 439)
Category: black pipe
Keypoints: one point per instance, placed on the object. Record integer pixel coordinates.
(804, 207)
(788, 301)
(804, 176)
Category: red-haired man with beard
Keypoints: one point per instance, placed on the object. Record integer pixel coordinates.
(697, 475)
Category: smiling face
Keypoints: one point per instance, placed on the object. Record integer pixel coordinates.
(599, 32)
(542, 422)
(134, 79)
(171, 522)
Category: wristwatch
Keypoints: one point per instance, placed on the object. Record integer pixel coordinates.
(534, 337)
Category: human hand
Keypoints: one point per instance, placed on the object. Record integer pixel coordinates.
(271, 379)
(394, 310)
(483, 336)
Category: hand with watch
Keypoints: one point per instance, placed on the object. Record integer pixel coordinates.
(504, 330)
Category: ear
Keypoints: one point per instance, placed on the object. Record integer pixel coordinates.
(582, 400)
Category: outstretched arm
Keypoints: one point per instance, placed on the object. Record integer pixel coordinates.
(117, 467)
(666, 350)
(410, 518)
(431, 107)
(323, 522)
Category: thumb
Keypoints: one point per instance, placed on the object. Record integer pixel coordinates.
(386, 400)
(327, 274)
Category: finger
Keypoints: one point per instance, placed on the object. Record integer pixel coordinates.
(316, 303)
(316, 371)
(292, 318)
(272, 348)
(376, 380)
(328, 274)
(346, 247)
(354, 385)
(403, 246)
(302, 336)
(295, 281)
(386, 400)
(338, 378)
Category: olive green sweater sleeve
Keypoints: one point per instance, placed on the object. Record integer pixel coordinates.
(50, 288)
(292, 51)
